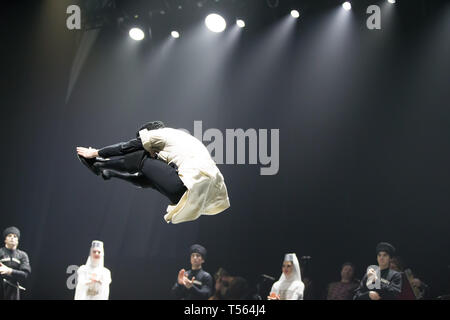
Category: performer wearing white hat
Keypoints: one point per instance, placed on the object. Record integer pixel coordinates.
(290, 285)
(93, 278)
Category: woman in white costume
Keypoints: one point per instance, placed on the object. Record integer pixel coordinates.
(93, 278)
(290, 285)
(169, 160)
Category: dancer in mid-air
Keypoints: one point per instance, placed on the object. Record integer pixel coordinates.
(171, 161)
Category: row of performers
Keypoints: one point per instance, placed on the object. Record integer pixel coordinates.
(380, 282)
(94, 279)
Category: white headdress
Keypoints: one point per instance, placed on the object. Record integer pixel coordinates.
(295, 275)
(97, 245)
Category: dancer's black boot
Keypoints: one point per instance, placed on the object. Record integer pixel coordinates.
(117, 164)
(89, 163)
(136, 179)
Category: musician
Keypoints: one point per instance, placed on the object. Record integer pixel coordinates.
(229, 287)
(14, 265)
(380, 282)
(222, 281)
(238, 289)
(194, 284)
(412, 288)
(344, 289)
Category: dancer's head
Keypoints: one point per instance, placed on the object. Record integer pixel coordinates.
(97, 253)
(152, 125)
(198, 255)
(11, 236)
(385, 252)
(290, 268)
(288, 265)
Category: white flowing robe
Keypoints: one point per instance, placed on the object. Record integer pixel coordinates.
(207, 193)
(92, 291)
(289, 290)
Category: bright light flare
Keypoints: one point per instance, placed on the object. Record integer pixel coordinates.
(347, 5)
(240, 23)
(136, 34)
(215, 23)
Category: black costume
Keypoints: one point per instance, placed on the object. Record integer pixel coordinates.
(201, 290)
(129, 161)
(203, 282)
(390, 286)
(18, 261)
(390, 282)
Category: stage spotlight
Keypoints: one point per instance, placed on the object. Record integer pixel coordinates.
(347, 5)
(215, 23)
(295, 14)
(175, 34)
(391, 1)
(136, 34)
(240, 23)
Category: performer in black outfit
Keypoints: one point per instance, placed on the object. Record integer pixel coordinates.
(14, 266)
(194, 284)
(383, 285)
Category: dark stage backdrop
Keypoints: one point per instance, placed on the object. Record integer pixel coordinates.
(364, 126)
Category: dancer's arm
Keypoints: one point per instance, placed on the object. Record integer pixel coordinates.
(121, 148)
(179, 288)
(117, 149)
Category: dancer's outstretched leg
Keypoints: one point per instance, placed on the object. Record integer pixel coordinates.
(129, 162)
(116, 163)
(89, 163)
(136, 179)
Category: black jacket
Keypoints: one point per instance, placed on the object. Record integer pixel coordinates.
(390, 286)
(132, 151)
(201, 290)
(19, 262)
